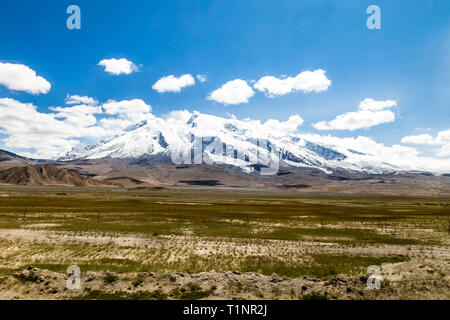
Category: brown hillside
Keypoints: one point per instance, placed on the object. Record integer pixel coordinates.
(43, 175)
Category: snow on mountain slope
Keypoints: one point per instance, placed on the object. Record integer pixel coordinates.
(197, 138)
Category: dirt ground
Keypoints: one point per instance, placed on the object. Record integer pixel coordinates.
(424, 276)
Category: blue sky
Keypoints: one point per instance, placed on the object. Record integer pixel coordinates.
(406, 61)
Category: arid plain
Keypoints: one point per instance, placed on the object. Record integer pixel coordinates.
(220, 243)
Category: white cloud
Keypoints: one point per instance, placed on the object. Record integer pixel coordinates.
(80, 115)
(19, 77)
(279, 128)
(444, 151)
(118, 66)
(233, 92)
(173, 84)
(373, 105)
(50, 134)
(443, 137)
(126, 112)
(442, 140)
(419, 139)
(27, 128)
(406, 158)
(202, 78)
(115, 125)
(307, 81)
(370, 113)
(75, 99)
(130, 109)
(356, 120)
(256, 128)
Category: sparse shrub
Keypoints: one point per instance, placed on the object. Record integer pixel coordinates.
(110, 278)
(28, 276)
(138, 281)
(192, 292)
(120, 295)
(315, 296)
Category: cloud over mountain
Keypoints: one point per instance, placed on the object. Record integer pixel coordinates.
(442, 140)
(44, 133)
(370, 113)
(423, 139)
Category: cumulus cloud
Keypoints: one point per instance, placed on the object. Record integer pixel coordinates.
(19, 77)
(232, 93)
(307, 81)
(50, 134)
(256, 128)
(80, 115)
(364, 145)
(424, 139)
(131, 109)
(118, 66)
(283, 127)
(27, 128)
(370, 113)
(373, 105)
(173, 84)
(356, 120)
(442, 140)
(405, 158)
(444, 151)
(443, 137)
(125, 113)
(75, 99)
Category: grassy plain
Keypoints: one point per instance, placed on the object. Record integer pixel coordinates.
(150, 236)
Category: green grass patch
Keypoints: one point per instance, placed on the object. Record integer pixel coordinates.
(324, 266)
(192, 292)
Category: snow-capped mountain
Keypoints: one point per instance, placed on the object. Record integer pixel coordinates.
(196, 138)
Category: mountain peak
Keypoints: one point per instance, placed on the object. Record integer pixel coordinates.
(205, 139)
